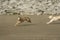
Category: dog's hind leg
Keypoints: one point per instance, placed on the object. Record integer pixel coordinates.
(29, 21)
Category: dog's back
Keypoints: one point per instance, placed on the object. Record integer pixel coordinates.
(24, 18)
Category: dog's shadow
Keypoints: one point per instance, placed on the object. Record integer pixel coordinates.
(26, 24)
(55, 23)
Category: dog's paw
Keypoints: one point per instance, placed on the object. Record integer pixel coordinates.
(47, 23)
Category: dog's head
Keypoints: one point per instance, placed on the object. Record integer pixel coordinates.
(50, 17)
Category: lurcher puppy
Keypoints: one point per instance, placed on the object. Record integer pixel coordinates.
(22, 19)
(53, 18)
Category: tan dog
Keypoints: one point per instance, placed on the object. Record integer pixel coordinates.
(53, 18)
(22, 19)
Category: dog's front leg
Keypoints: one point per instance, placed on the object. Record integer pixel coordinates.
(50, 21)
(18, 22)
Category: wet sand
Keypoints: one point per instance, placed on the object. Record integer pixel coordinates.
(37, 30)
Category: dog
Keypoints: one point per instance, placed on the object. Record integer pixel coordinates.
(53, 18)
(22, 19)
